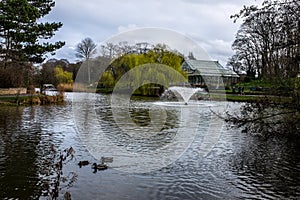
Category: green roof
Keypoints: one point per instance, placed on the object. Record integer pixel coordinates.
(206, 68)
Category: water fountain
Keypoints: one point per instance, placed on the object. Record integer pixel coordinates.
(185, 92)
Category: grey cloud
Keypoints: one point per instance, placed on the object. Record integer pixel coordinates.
(204, 20)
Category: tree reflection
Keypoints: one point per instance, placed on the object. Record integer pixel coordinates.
(19, 138)
(268, 165)
(30, 165)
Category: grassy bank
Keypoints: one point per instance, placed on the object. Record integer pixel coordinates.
(252, 98)
(31, 100)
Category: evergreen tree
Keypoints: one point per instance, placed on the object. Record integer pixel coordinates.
(21, 33)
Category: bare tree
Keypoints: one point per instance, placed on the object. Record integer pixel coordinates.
(268, 39)
(85, 50)
(268, 43)
(110, 50)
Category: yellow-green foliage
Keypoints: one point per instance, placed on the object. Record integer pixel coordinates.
(107, 79)
(127, 62)
(63, 76)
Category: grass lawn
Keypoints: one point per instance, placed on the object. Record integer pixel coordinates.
(255, 98)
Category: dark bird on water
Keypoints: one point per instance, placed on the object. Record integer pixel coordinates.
(96, 166)
(83, 163)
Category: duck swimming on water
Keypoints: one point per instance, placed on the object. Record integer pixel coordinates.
(101, 166)
(83, 163)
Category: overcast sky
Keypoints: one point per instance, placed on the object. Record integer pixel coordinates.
(207, 22)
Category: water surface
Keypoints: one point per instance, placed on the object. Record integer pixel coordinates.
(239, 166)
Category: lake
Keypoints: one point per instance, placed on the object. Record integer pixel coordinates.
(232, 165)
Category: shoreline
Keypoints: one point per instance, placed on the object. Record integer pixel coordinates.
(41, 99)
(31, 99)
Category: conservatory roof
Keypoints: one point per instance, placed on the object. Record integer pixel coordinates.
(206, 68)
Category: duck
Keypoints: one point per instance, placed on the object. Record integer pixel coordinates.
(107, 160)
(83, 163)
(101, 166)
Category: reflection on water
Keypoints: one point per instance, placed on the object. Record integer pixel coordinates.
(13, 166)
(139, 114)
(267, 168)
(239, 166)
(25, 137)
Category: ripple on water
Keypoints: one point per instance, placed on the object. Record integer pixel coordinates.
(238, 167)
